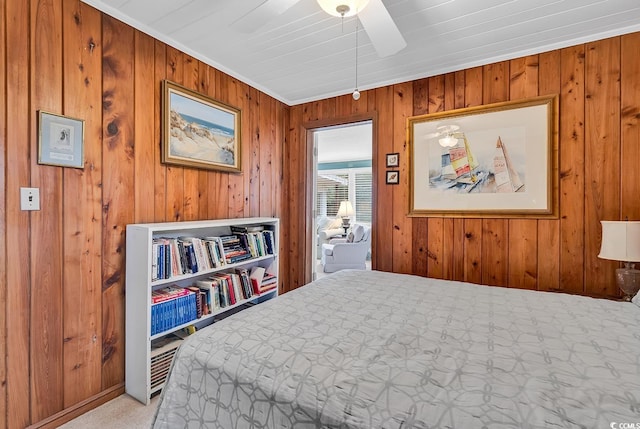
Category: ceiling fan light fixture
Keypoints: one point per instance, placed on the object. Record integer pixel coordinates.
(356, 94)
(342, 8)
(448, 141)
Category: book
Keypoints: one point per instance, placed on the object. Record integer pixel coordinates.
(256, 275)
(199, 306)
(246, 228)
(167, 293)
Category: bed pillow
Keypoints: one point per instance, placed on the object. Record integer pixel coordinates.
(358, 233)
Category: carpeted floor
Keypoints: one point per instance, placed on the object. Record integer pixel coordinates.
(124, 412)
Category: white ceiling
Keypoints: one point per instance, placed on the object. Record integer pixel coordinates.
(304, 54)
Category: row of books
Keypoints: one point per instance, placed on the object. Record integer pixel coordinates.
(172, 306)
(259, 241)
(188, 255)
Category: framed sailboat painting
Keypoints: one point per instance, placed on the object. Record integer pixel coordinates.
(496, 160)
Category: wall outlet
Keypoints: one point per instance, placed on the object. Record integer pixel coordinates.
(29, 198)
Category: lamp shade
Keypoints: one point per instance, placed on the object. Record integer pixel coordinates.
(620, 241)
(345, 209)
(342, 7)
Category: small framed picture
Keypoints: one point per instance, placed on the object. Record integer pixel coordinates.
(393, 159)
(393, 177)
(60, 140)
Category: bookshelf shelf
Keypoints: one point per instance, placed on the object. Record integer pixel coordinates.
(148, 355)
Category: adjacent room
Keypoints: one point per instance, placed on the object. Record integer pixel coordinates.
(183, 248)
(343, 197)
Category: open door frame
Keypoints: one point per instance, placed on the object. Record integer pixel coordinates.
(307, 130)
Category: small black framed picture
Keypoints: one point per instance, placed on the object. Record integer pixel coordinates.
(393, 159)
(393, 177)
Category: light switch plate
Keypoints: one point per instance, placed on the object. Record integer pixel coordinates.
(29, 198)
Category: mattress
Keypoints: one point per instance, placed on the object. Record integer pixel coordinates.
(367, 349)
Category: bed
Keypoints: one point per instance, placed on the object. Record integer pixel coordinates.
(367, 349)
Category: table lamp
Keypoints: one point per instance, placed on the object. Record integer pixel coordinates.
(621, 242)
(345, 211)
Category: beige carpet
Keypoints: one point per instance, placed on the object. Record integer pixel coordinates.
(124, 412)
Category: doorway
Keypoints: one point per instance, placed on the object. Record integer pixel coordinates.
(343, 184)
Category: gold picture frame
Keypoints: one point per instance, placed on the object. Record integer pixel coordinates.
(496, 160)
(60, 140)
(198, 131)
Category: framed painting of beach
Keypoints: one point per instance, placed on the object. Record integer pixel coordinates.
(496, 160)
(198, 131)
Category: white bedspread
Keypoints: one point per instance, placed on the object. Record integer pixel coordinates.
(363, 349)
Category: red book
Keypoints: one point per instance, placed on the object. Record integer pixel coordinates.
(167, 293)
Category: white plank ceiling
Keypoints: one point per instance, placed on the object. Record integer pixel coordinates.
(304, 54)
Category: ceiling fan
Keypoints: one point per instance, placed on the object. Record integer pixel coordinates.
(374, 16)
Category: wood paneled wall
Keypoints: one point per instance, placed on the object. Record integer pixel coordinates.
(62, 268)
(598, 85)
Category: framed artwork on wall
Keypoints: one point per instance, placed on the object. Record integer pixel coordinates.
(198, 131)
(393, 177)
(60, 140)
(497, 160)
(393, 160)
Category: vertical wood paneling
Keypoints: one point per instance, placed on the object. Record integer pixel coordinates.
(3, 219)
(630, 115)
(174, 173)
(266, 144)
(294, 172)
(46, 223)
(523, 243)
(252, 158)
(402, 230)
(19, 122)
(383, 235)
(602, 158)
(421, 250)
(144, 97)
(191, 191)
(69, 58)
(118, 160)
(159, 169)
(572, 169)
(66, 342)
(279, 190)
(82, 228)
(549, 229)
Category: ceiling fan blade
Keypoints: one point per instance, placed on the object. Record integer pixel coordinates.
(382, 31)
(261, 14)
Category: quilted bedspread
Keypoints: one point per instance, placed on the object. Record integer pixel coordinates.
(367, 349)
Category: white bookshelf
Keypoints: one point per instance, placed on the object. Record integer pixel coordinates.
(139, 286)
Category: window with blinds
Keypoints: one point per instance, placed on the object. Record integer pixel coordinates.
(331, 189)
(353, 184)
(363, 193)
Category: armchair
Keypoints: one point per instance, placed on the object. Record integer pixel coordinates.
(340, 253)
(327, 228)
